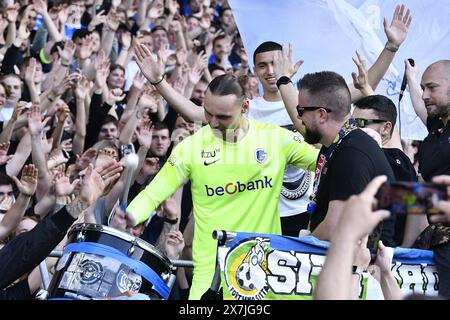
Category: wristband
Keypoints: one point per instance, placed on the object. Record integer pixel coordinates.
(391, 47)
(44, 60)
(157, 81)
(170, 221)
(283, 80)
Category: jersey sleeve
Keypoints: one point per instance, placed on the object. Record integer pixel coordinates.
(165, 183)
(298, 152)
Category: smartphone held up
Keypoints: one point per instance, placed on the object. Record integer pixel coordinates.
(411, 197)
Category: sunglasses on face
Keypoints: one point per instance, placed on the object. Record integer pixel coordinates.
(365, 122)
(302, 110)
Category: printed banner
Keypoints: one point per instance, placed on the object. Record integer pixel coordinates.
(326, 34)
(269, 267)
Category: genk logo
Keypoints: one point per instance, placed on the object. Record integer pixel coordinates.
(260, 155)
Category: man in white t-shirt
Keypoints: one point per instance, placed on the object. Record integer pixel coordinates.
(269, 108)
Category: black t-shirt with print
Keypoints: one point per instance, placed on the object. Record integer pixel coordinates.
(357, 160)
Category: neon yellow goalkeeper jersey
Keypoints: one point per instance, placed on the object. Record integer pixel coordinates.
(235, 186)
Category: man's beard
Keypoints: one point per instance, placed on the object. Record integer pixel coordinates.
(440, 112)
(311, 136)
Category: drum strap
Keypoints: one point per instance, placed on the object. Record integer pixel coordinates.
(137, 266)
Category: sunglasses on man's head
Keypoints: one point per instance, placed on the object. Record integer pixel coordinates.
(365, 122)
(302, 110)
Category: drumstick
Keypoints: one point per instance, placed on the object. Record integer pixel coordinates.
(131, 162)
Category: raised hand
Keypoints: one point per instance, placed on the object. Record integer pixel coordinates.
(156, 10)
(105, 157)
(283, 62)
(63, 187)
(30, 72)
(40, 6)
(181, 56)
(100, 59)
(175, 26)
(63, 16)
(125, 40)
(153, 70)
(195, 74)
(179, 84)
(139, 81)
(144, 134)
(56, 158)
(62, 112)
(114, 95)
(67, 53)
(116, 3)
(6, 203)
(94, 182)
(173, 7)
(411, 72)
(179, 135)
(398, 29)
(361, 81)
(12, 11)
(4, 158)
(148, 101)
(102, 72)
(18, 110)
(112, 21)
(151, 167)
(98, 19)
(86, 47)
(82, 88)
(82, 162)
(174, 244)
(28, 181)
(46, 144)
(35, 123)
(243, 55)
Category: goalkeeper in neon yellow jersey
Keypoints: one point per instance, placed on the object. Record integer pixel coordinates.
(236, 168)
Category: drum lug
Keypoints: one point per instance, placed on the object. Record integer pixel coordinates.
(165, 276)
(131, 250)
(81, 236)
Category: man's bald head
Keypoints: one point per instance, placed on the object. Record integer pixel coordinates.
(441, 65)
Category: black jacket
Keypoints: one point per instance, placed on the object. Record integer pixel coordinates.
(24, 252)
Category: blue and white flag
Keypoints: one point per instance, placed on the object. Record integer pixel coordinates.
(267, 267)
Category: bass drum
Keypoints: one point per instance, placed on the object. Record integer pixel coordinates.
(100, 262)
